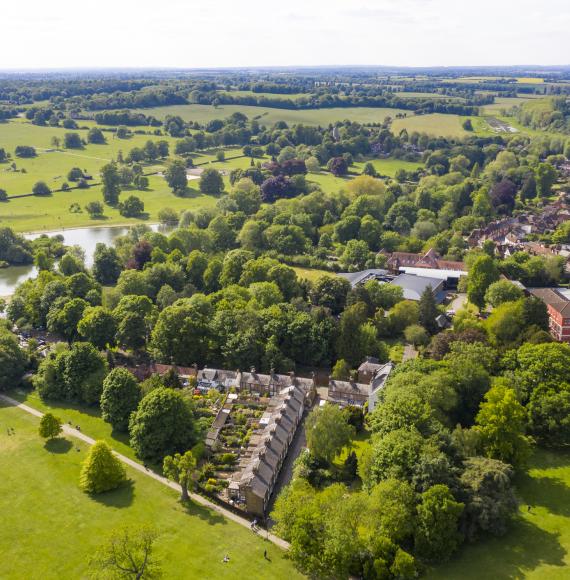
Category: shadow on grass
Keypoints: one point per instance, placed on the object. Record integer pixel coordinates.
(548, 492)
(208, 515)
(524, 548)
(58, 445)
(121, 497)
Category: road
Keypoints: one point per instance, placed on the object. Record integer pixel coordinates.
(149, 473)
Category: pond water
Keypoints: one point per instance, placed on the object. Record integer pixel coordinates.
(87, 238)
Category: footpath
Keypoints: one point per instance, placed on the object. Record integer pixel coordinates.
(72, 432)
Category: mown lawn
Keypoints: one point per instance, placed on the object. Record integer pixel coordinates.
(311, 274)
(50, 528)
(537, 547)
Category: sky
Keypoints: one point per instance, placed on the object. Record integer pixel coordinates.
(233, 33)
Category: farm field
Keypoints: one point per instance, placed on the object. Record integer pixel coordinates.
(270, 116)
(440, 125)
(537, 547)
(40, 501)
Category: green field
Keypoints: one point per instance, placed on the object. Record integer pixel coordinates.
(52, 212)
(504, 103)
(288, 96)
(50, 528)
(311, 274)
(537, 547)
(388, 167)
(438, 124)
(419, 95)
(269, 116)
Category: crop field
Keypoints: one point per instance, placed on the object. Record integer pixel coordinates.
(537, 547)
(40, 501)
(440, 125)
(270, 116)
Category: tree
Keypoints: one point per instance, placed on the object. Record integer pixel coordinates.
(506, 323)
(94, 209)
(490, 499)
(482, 274)
(180, 468)
(128, 553)
(168, 216)
(133, 206)
(95, 135)
(111, 183)
(355, 256)
(106, 265)
(50, 426)
(467, 125)
(175, 176)
(549, 415)
(163, 424)
(98, 327)
(369, 169)
(182, 332)
(545, 176)
(72, 141)
(328, 432)
(13, 360)
(501, 422)
(416, 335)
(338, 166)
(330, 292)
(101, 471)
(436, 536)
(428, 310)
(121, 396)
(341, 370)
(41, 188)
(502, 291)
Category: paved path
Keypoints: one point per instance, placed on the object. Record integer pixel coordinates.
(149, 473)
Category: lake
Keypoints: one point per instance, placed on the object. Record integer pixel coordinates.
(87, 238)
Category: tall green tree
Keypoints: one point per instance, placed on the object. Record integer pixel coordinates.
(428, 310)
(328, 432)
(180, 468)
(120, 397)
(436, 535)
(482, 274)
(50, 426)
(502, 422)
(101, 471)
(111, 183)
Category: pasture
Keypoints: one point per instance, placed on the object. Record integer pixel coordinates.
(537, 546)
(40, 500)
(270, 116)
(504, 104)
(438, 124)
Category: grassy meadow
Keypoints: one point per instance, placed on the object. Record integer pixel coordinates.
(438, 124)
(270, 116)
(40, 501)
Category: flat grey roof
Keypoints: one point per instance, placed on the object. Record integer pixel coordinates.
(413, 286)
(356, 278)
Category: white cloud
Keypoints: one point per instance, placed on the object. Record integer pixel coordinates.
(194, 33)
